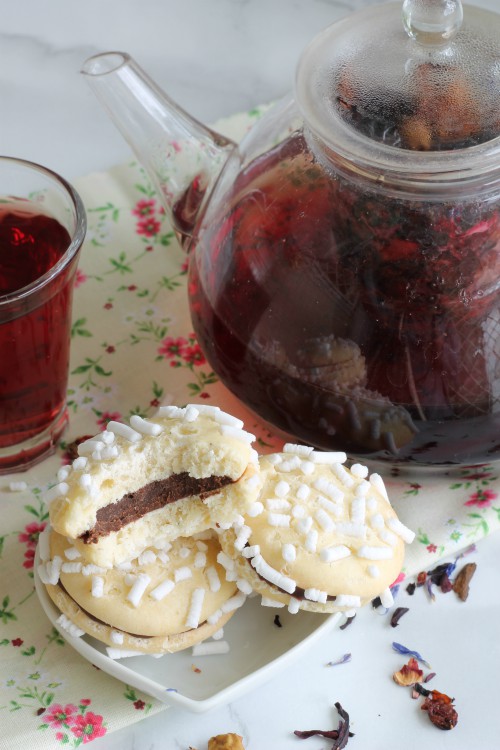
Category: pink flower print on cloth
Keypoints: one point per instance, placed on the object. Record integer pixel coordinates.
(482, 498)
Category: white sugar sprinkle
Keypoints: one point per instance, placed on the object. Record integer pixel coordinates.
(255, 509)
(211, 648)
(182, 574)
(288, 552)
(147, 557)
(388, 537)
(206, 409)
(97, 587)
(307, 467)
(278, 519)
(359, 470)
(80, 463)
(300, 450)
(343, 475)
(377, 521)
(91, 569)
(304, 524)
(406, 534)
(357, 530)
(328, 457)
(362, 489)
(242, 537)
(200, 560)
(303, 492)
(52, 570)
(272, 575)
(89, 446)
(213, 579)
(116, 637)
(163, 557)
(71, 567)
(347, 600)
(253, 481)
(293, 605)
(358, 510)
(222, 417)
(337, 552)
(184, 553)
(63, 473)
(21, 486)
(371, 503)
(215, 617)
(72, 553)
(274, 458)
(236, 601)
(130, 579)
(282, 488)
(277, 503)
(122, 653)
(124, 431)
(229, 431)
(315, 595)
(324, 520)
(251, 551)
(244, 586)
(85, 481)
(171, 412)
(125, 566)
(162, 590)
(290, 464)
(144, 427)
(373, 571)
(329, 488)
(224, 560)
(386, 598)
(44, 546)
(377, 481)
(218, 635)
(266, 601)
(107, 437)
(140, 585)
(193, 618)
(311, 541)
(69, 627)
(329, 505)
(298, 511)
(191, 414)
(375, 553)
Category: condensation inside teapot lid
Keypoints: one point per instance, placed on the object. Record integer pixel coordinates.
(423, 75)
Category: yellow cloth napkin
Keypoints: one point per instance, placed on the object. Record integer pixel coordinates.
(132, 348)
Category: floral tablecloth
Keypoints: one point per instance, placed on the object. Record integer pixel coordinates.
(133, 349)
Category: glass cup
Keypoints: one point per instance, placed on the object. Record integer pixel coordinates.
(42, 228)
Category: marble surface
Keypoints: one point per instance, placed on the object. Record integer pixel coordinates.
(216, 57)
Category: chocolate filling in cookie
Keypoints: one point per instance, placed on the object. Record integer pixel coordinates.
(152, 496)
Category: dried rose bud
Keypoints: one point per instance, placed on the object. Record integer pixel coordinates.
(462, 581)
(409, 674)
(421, 578)
(226, 742)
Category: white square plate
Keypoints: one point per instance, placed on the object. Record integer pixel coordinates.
(258, 650)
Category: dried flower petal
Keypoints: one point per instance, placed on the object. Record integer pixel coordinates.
(195, 669)
(429, 677)
(421, 578)
(408, 652)
(462, 581)
(342, 660)
(339, 736)
(277, 621)
(409, 674)
(411, 588)
(397, 615)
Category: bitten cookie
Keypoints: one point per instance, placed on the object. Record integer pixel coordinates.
(162, 602)
(320, 537)
(137, 486)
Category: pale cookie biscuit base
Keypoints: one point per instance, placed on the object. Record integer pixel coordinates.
(318, 530)
(159, 596)
(185, 517)
(147, 645)
(198, 443)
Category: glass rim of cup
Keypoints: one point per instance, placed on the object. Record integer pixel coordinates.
(77, 236)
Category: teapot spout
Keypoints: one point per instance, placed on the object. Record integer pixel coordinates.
(182, 157)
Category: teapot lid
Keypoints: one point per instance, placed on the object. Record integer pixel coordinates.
(419, 76)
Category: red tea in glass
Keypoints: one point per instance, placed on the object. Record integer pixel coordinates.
(39, 243)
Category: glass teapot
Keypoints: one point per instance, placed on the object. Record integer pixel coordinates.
(344, 259)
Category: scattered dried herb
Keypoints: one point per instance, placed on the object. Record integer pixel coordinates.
(429, 677)
(277, 621)
(409, 674)
(439, 707)
(441, 571)
(408, 652)
(342, 660)
(195, 669)
(377, 602)
(446, 584)
(397, 615)
(462, 581)
(411, 588)
(348, 621)
(428, 586)
(340, 736)
(421, 578)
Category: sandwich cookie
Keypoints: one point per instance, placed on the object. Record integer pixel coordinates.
(320, 537)
(160, 603)
(139, 485)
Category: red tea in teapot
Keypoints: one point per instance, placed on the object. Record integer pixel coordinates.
(351, 318)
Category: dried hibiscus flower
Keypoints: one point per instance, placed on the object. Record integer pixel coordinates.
(409, 674)
(340, 736)
(397, 615)
(439, 707)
